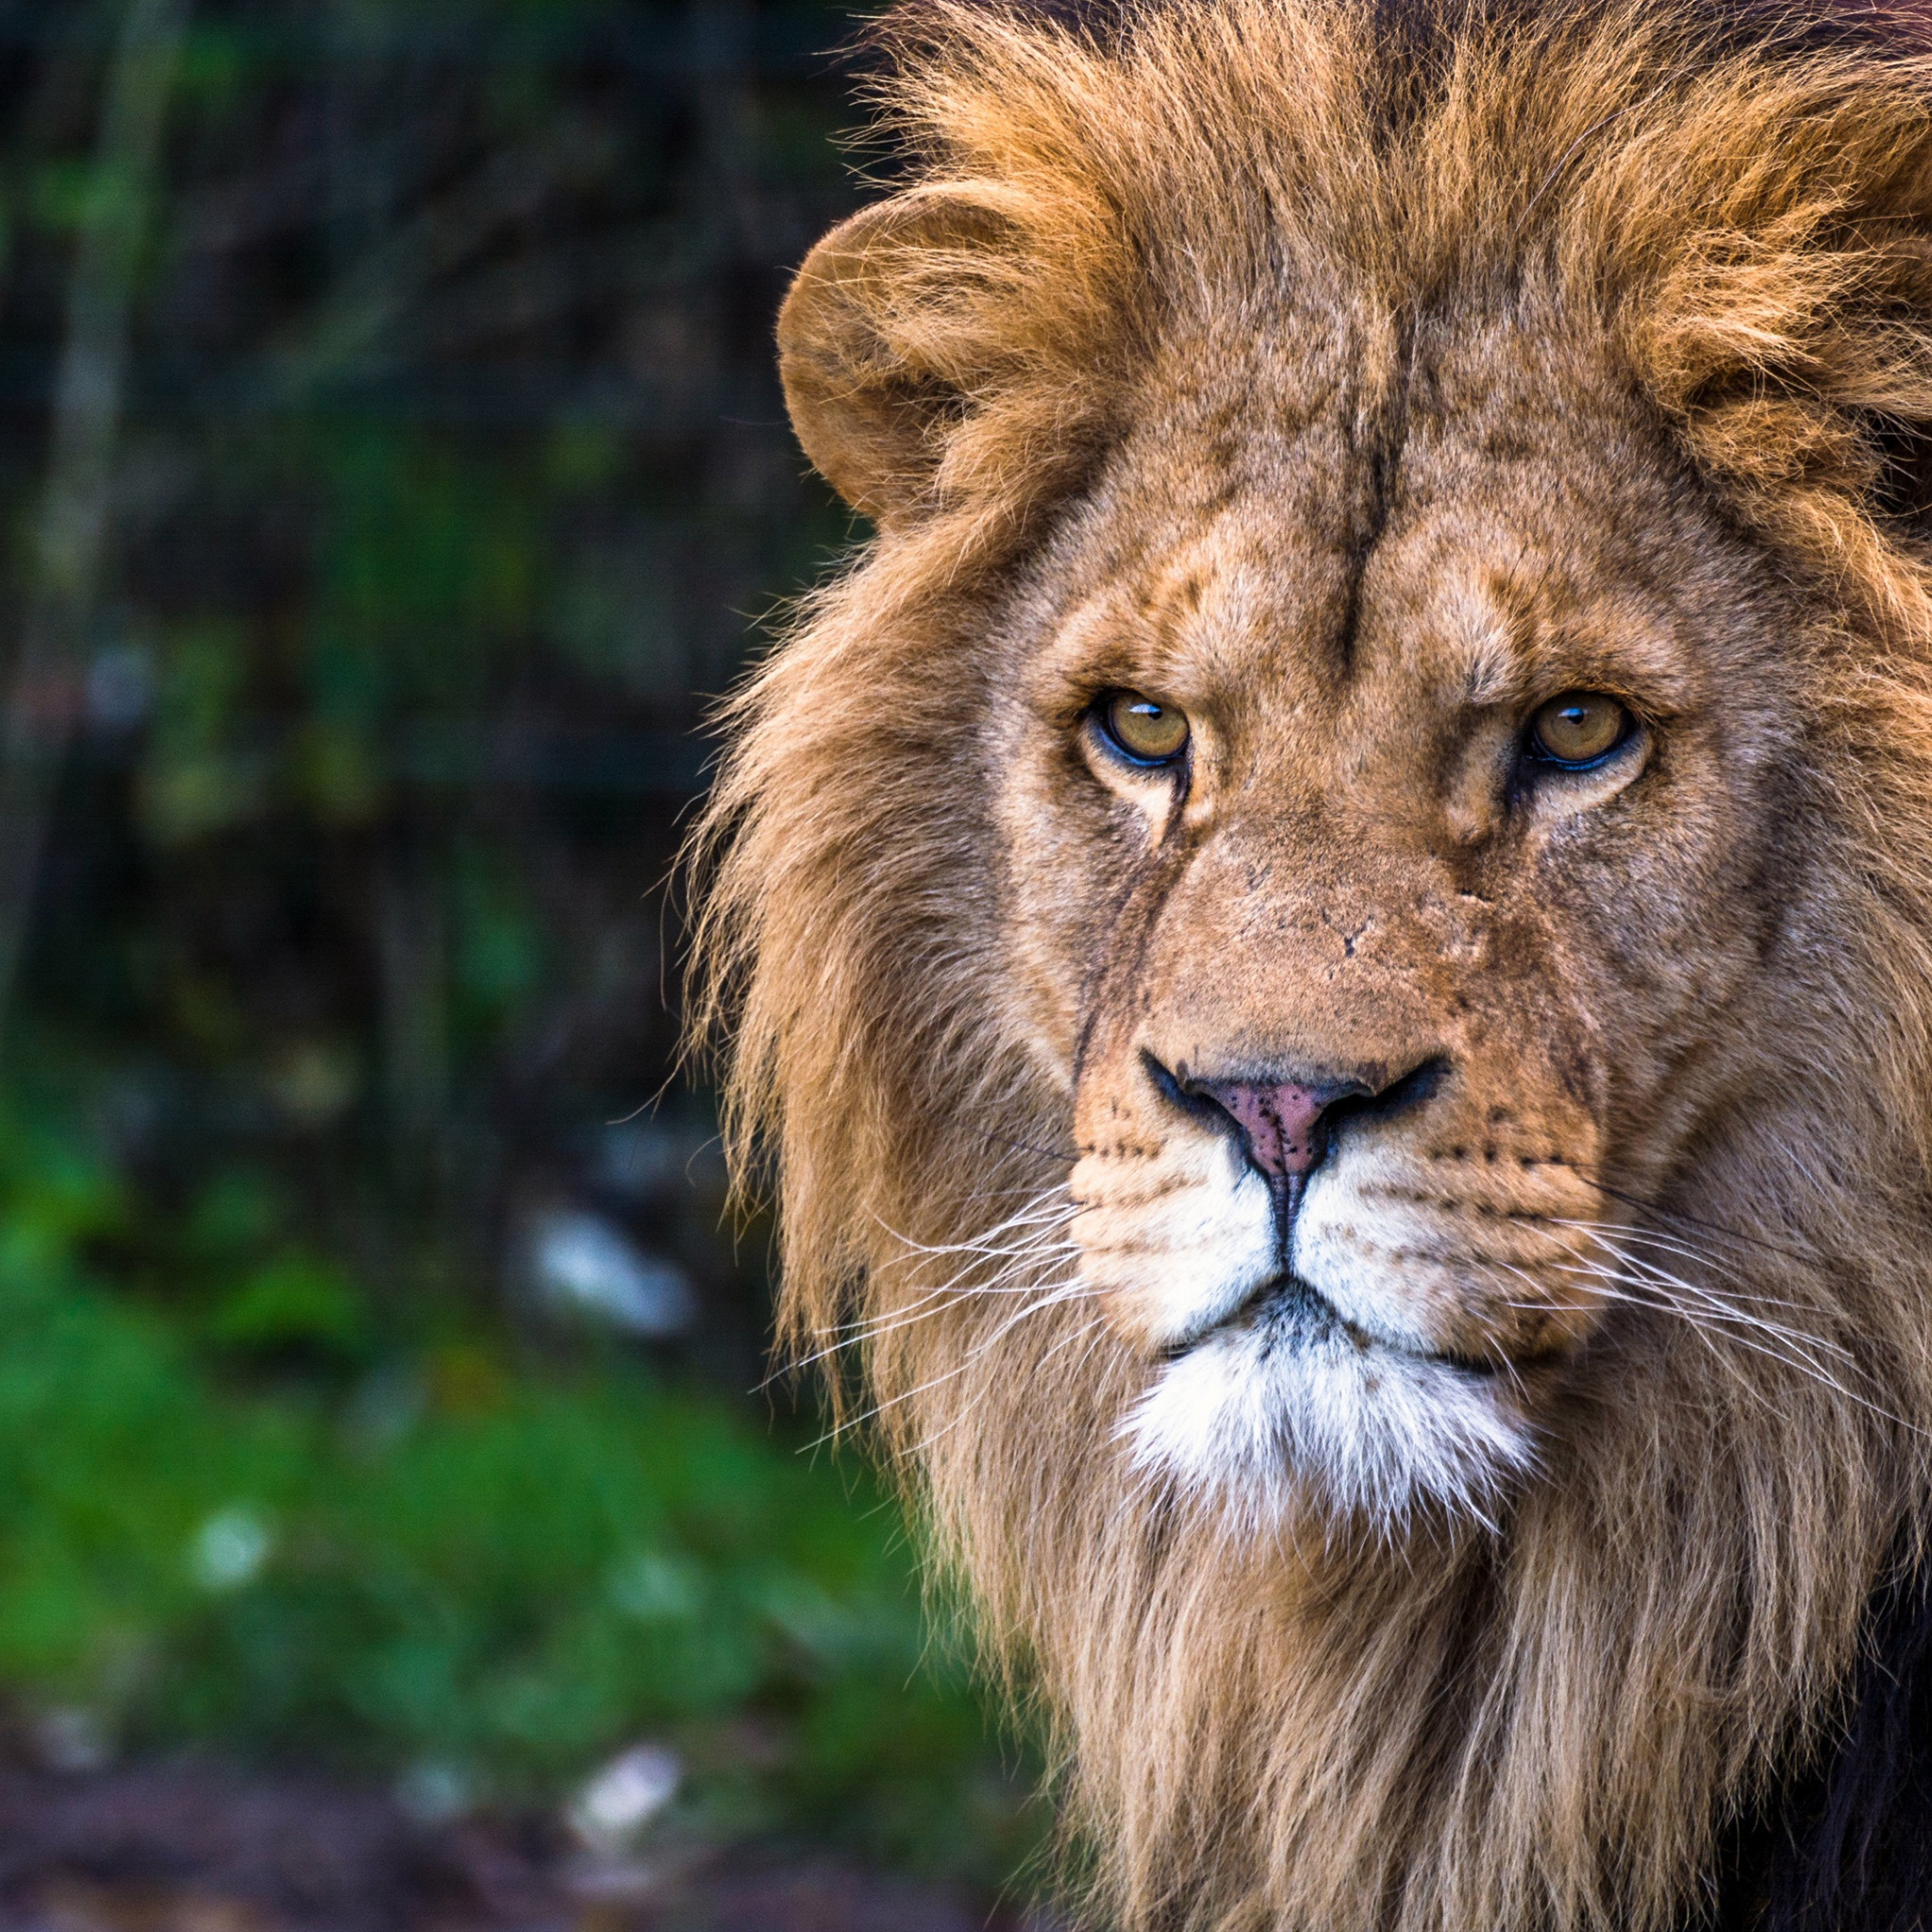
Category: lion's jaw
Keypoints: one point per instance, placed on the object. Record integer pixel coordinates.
(1357, 876)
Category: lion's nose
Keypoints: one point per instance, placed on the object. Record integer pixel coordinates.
(1285, 1127)
(1281, 1121)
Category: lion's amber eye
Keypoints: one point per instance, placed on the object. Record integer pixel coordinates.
(1578, 728)
(1147, 732)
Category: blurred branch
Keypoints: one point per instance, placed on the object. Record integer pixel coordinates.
(391, 279)
(529, 291)
(791, 42)
(71, 540)
(412, 957)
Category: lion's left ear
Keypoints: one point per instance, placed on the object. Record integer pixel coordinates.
(884, 338)
(1782, 307)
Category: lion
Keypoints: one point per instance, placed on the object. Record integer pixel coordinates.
(1326, 935)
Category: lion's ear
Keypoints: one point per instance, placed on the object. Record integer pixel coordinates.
(878, 339)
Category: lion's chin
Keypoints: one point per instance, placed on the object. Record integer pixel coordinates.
(1289, 1406)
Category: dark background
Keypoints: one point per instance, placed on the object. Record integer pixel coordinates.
(394, 474)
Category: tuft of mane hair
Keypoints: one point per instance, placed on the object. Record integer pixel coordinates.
(1644, 1695)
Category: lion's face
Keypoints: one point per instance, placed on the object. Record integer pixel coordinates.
(1493, 988)
(1329, 929)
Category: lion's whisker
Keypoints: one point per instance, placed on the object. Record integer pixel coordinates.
(1729, 1311)
(1046, 1208)
(1654, 1211)
(1704, 1322)
(1670, 1244)
(1709, 1341)
(957, 1292)
(1057, 1298)
(1706, 1311)
(1723, 1308)
(1741, 1335)
(1043, 1214)
(1615, 1235)
(1092, 1330)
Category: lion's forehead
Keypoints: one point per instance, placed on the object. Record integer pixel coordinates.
(1275, 531)
(1291, 639)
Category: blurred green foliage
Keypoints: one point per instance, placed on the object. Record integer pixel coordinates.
(448, 474)
(447, 1569)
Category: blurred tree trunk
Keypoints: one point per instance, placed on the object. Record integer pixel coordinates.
(49, 673)
(722, 47)
(412, 956)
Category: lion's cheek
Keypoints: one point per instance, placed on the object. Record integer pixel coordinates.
(1490, 1275)
(1173, 1243)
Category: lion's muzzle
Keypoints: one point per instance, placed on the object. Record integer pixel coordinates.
(1340, 1277)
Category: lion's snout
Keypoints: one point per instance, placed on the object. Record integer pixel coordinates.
(1284, 1121)
(1287, 1240)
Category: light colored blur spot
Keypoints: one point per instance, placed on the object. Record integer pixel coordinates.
(435, 1792)
(583, 1264)
(620, 1800)
(230, 1548)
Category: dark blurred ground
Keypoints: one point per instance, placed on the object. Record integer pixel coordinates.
(391, 1530)
(181, 1850)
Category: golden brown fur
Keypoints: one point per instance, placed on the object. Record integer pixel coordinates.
(1361, 404)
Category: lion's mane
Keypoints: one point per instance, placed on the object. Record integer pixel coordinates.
(1545, 1721)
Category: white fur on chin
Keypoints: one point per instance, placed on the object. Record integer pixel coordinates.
(1288, 1408)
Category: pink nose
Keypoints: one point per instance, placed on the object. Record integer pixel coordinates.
(1281, 1123)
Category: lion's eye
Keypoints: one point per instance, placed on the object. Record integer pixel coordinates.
(1578, 728)
(1142, 729)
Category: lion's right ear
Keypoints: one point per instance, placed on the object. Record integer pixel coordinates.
(887, 332)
